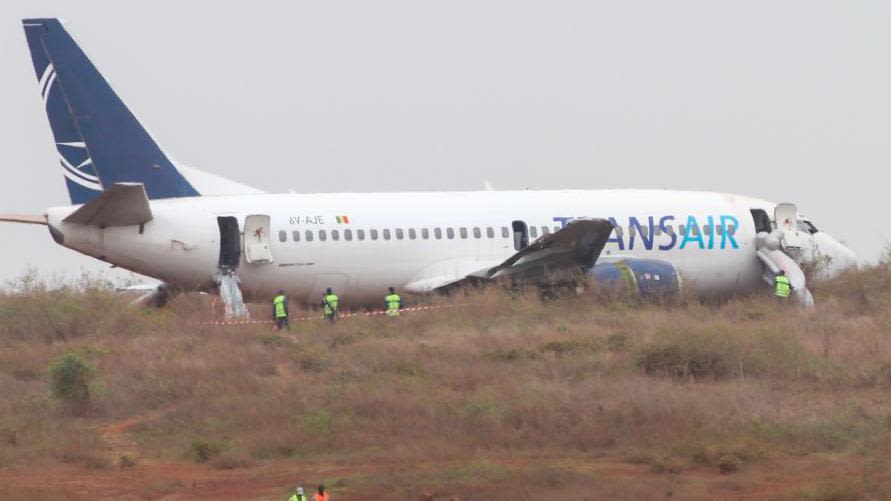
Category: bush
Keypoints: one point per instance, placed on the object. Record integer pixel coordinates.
(70, 379)
(617, 342)
(202, 451)
(729, 464)
(688, 355)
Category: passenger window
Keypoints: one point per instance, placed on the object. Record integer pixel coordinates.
(399, 234)
(619, 231)
(295, 235)
(545, 231)
(373, 234)
(450, 233)
(719, 230)
(463, 232)
(490, 232)
(360, 234)
(411, 234)
(695, 230)
(282, 236)
(683, 230)
(335, 235)
(386, 234)
(425, 233)
(477, 233)
(347, 235)
(505, 233)
(322, 235)
(437, 232)
(657, 230)
(533, 232)
(707, 230)
(645, 231)
(632, 232)
(731, 229)
(308, 236)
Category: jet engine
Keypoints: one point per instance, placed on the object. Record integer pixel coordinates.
(647, 279)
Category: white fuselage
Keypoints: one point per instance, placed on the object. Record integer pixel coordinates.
(181, 245)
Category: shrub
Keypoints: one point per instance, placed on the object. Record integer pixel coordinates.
(202, 451)
(70, 379)
(617, 342)
(688, 355)
(729, 464)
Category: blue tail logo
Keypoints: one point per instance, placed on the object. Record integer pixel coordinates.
(98, 139)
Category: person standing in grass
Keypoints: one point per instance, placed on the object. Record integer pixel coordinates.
(329, 305)
(321, 495)
(280, 311)
(298, 495)
(393, 302)
(782, 286)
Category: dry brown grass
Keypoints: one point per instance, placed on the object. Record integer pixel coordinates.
(689, 386)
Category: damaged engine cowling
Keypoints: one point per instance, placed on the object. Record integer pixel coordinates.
(647, 279)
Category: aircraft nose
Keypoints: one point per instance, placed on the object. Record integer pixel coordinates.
(839, 256)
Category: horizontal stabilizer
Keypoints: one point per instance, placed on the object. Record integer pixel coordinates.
(124, 204)
(23, 218)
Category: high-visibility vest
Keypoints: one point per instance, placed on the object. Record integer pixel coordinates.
(393, 304)
(330, 304)
(297, 497)
(783, 287)
(279, 303)
(320, 497)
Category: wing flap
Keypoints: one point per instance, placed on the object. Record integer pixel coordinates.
(124, 204)
(564, 253)
(23, 218)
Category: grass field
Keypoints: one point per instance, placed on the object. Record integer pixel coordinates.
(504, 397)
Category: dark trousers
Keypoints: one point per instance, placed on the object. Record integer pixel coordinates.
(282, 322)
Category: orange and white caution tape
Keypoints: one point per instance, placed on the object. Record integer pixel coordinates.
(339, 316)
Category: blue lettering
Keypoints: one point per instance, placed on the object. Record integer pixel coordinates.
(663, 225)
(688, 231)
(726, 232)
(617, 239)
(711, 232)
(693, 233)
(645, 236)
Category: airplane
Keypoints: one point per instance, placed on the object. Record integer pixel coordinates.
(135, 207)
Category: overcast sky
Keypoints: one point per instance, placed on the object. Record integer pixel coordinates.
(786, 100)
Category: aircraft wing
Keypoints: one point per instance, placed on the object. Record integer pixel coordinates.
(123, 204)
(564, 253)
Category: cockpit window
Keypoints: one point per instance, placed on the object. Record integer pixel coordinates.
(806, 226)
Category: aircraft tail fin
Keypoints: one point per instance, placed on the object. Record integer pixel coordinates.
(100, 142)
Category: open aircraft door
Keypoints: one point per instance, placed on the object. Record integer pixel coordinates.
(786, 218)
(256, 239)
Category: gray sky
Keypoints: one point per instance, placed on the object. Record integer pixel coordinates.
(787, 100)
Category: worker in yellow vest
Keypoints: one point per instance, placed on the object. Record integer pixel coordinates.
(782, 286)
(329, 305)
(394, 303)
(280, 311)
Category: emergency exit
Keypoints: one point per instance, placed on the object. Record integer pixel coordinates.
(256, 239)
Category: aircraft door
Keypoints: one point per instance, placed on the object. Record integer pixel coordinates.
(521, 235)
(256, 239)
(230, 242)
(786, 218)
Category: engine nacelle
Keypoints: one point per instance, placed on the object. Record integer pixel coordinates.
(647, 279)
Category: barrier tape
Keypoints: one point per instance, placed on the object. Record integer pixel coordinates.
(339, 316)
